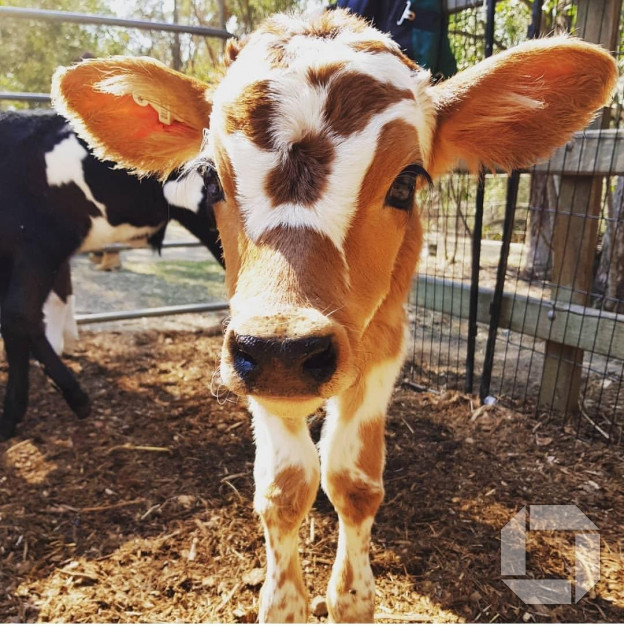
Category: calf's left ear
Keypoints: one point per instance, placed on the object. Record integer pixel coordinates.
(517, 107)
(134, 111)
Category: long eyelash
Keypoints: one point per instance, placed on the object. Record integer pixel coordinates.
(418, 171)
(414, 171)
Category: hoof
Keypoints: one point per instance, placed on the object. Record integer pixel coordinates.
(7, 430)
(80, 404)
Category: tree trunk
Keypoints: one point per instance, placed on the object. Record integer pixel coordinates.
(539, 232)
(176, 54)
(222, 14)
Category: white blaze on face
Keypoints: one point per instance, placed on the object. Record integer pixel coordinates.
(64, 166)
(186, 192)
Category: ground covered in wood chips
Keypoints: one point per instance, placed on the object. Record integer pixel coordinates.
(143, 512)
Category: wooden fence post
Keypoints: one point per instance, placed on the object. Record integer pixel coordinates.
(576, 231)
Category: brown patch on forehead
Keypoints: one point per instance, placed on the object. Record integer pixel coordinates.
(252, 112)
(301, 177)
(376, 46)
(328, 25)
(231, 50)
(354, 98)
(320, 76)
(276, 54)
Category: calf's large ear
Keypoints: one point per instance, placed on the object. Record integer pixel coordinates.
(515, 108)
(134, 111)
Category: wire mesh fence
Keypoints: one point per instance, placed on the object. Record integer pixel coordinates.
(558, 348)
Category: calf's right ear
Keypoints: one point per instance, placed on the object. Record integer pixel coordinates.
(516, 107)
(134, 111)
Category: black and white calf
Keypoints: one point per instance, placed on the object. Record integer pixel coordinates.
(57, 199)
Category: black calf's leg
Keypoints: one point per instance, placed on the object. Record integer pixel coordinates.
(16, 395)
(22, 330)
(76, 398)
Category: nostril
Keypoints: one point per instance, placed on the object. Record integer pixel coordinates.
(321, 363)
(243, 362)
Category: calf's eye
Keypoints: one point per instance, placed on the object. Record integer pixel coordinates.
(401, 192)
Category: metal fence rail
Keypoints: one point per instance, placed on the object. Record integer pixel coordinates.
(101, 20)
(151, 312)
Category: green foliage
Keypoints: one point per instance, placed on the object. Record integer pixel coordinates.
(30, 51)
(512, 20)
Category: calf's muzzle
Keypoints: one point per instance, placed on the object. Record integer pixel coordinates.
(294, 354)
(311, 359)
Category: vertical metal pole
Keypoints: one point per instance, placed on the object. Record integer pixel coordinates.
(176, 51)
(510, 214)
(497, 299)
(474, 283)
(489, 28)
(536, 20)
(478, 230)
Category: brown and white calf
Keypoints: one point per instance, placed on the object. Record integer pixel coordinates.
(320, 130)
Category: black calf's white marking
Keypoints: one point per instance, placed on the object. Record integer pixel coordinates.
(59, 313)
(57, 199)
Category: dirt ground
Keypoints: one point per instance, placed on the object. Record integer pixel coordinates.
(143, 512)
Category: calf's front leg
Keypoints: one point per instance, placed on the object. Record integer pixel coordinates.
(286, 475)
(352, 460)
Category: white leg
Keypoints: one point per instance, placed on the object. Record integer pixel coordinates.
(70, 330)
(54, 315)
(352, 460)
(286, 475)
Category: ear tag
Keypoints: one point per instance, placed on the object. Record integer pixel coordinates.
(164, 114)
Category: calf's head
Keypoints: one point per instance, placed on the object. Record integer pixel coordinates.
(314, 142)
